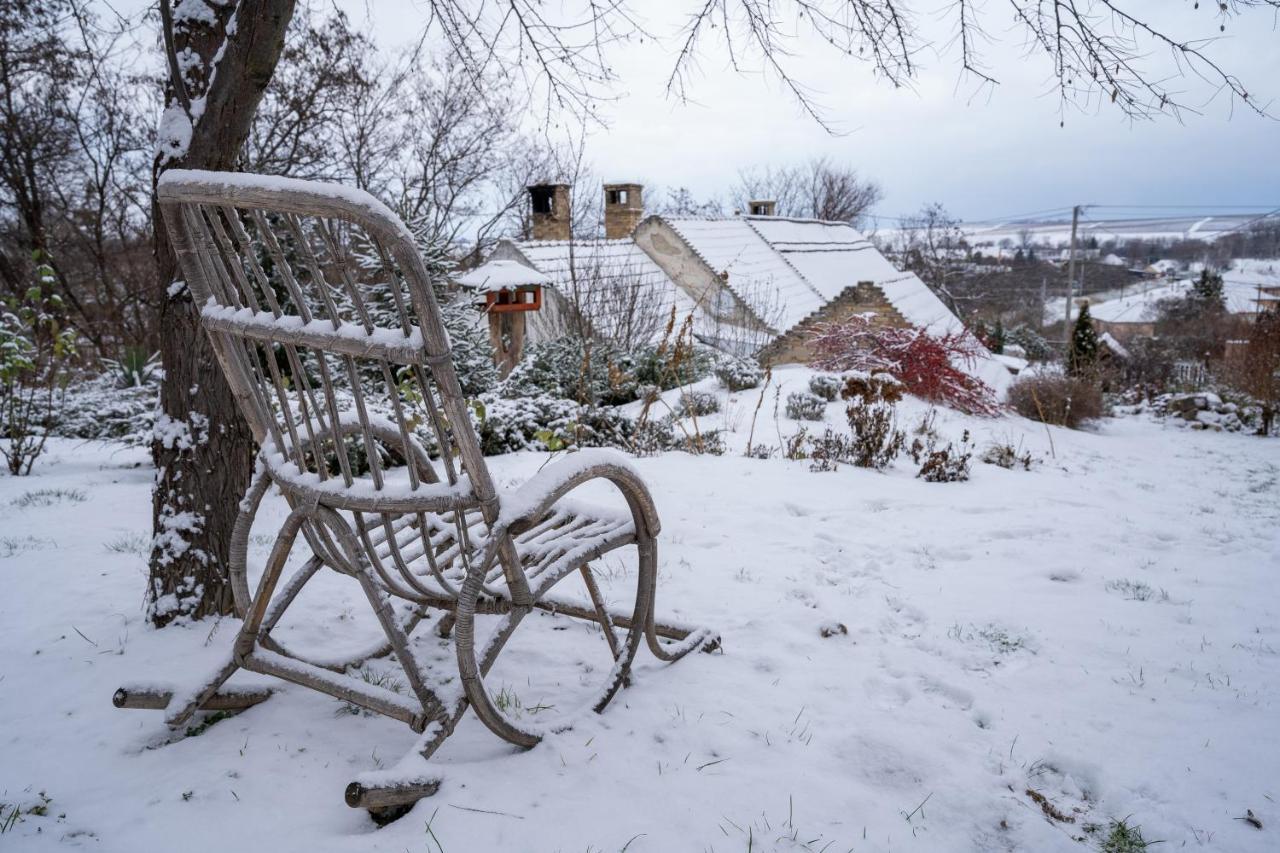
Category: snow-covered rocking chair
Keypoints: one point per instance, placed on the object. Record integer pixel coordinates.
(312, 295)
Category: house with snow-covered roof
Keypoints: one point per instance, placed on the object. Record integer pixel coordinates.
(792, 274)
(751, 284)
(611, 282)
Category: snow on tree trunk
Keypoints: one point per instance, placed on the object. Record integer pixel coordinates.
(221, 57)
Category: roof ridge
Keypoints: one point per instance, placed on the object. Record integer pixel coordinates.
(724, 280)
(783, 258)
(579, 241)
(802, 219)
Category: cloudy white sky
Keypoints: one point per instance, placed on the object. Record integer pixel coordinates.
(989, 156)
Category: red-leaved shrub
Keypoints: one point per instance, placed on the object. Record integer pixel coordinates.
(928, 366)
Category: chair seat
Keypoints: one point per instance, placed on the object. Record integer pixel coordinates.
(571, 533)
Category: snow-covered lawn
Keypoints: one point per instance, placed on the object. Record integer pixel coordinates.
(1103, 630)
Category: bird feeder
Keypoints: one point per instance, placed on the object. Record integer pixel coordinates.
(505, 291)
(523, 298)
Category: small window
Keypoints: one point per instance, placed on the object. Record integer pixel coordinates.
(541, 198)
(617, 197)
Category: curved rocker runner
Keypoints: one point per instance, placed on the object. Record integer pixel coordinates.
(312, 294)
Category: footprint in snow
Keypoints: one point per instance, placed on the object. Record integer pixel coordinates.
(949, 695)
(884, 695)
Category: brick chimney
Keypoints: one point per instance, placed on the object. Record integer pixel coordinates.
(550, 211)
(763, 207)
(623, 210)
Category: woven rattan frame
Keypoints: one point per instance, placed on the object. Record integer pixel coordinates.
(312, 294)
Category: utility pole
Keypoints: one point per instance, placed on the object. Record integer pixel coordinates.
(1071, 274)
(1044, 300)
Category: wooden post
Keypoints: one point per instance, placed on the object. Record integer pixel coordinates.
(506, 335)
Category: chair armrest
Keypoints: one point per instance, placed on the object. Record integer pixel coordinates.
(524, 506)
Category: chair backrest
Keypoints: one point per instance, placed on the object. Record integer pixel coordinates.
(313, 294)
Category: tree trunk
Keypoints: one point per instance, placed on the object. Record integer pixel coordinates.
(202, 448)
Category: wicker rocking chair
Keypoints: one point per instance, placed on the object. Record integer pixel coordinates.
(312, 294)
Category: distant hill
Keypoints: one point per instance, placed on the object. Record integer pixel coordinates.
(1058, 231)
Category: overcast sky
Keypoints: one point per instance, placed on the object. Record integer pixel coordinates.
(995, 155)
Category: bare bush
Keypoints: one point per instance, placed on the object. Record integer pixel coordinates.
(1255, 367)
(876, 439)
(1056, 399)
(948, 464)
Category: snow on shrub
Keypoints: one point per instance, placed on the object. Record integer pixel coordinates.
(803, 406)
(877, 388)
(600, 372)
(98, 409)
(697, 404)
(926, 364)
(651, 437)
(546, 423)
(825, 386)
(739, 374)
(875, 441)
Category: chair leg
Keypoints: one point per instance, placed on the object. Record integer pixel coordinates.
(700, 638)
(246, 638)
(602, 613)
(387, 794)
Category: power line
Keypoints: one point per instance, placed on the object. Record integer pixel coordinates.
(1240, 207)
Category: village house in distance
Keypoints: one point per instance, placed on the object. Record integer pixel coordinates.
(754, 284)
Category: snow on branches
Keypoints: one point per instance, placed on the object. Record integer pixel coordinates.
(928, 366)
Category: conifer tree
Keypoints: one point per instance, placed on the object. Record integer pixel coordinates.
(1207, 290)
(1083, 353)
(980, 331)
(998, 337)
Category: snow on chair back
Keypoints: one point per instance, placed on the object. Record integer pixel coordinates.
(314, 295)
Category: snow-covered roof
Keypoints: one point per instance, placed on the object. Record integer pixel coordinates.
(615, 263)
(495, 275)
(760, 276)
(1113, 345)
(833, 256)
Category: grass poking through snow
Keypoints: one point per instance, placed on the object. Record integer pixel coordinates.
(1124, 838)
(1137, 590)
(10, 545)
(48, 497)
(130, 543)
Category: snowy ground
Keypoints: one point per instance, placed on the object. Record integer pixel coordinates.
(1102, 630)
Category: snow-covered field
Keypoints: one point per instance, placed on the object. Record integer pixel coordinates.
(1103, 630)
(1139, 303)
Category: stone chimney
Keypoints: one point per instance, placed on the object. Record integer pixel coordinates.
(550, 211)
(763, 207)
(623, 210)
